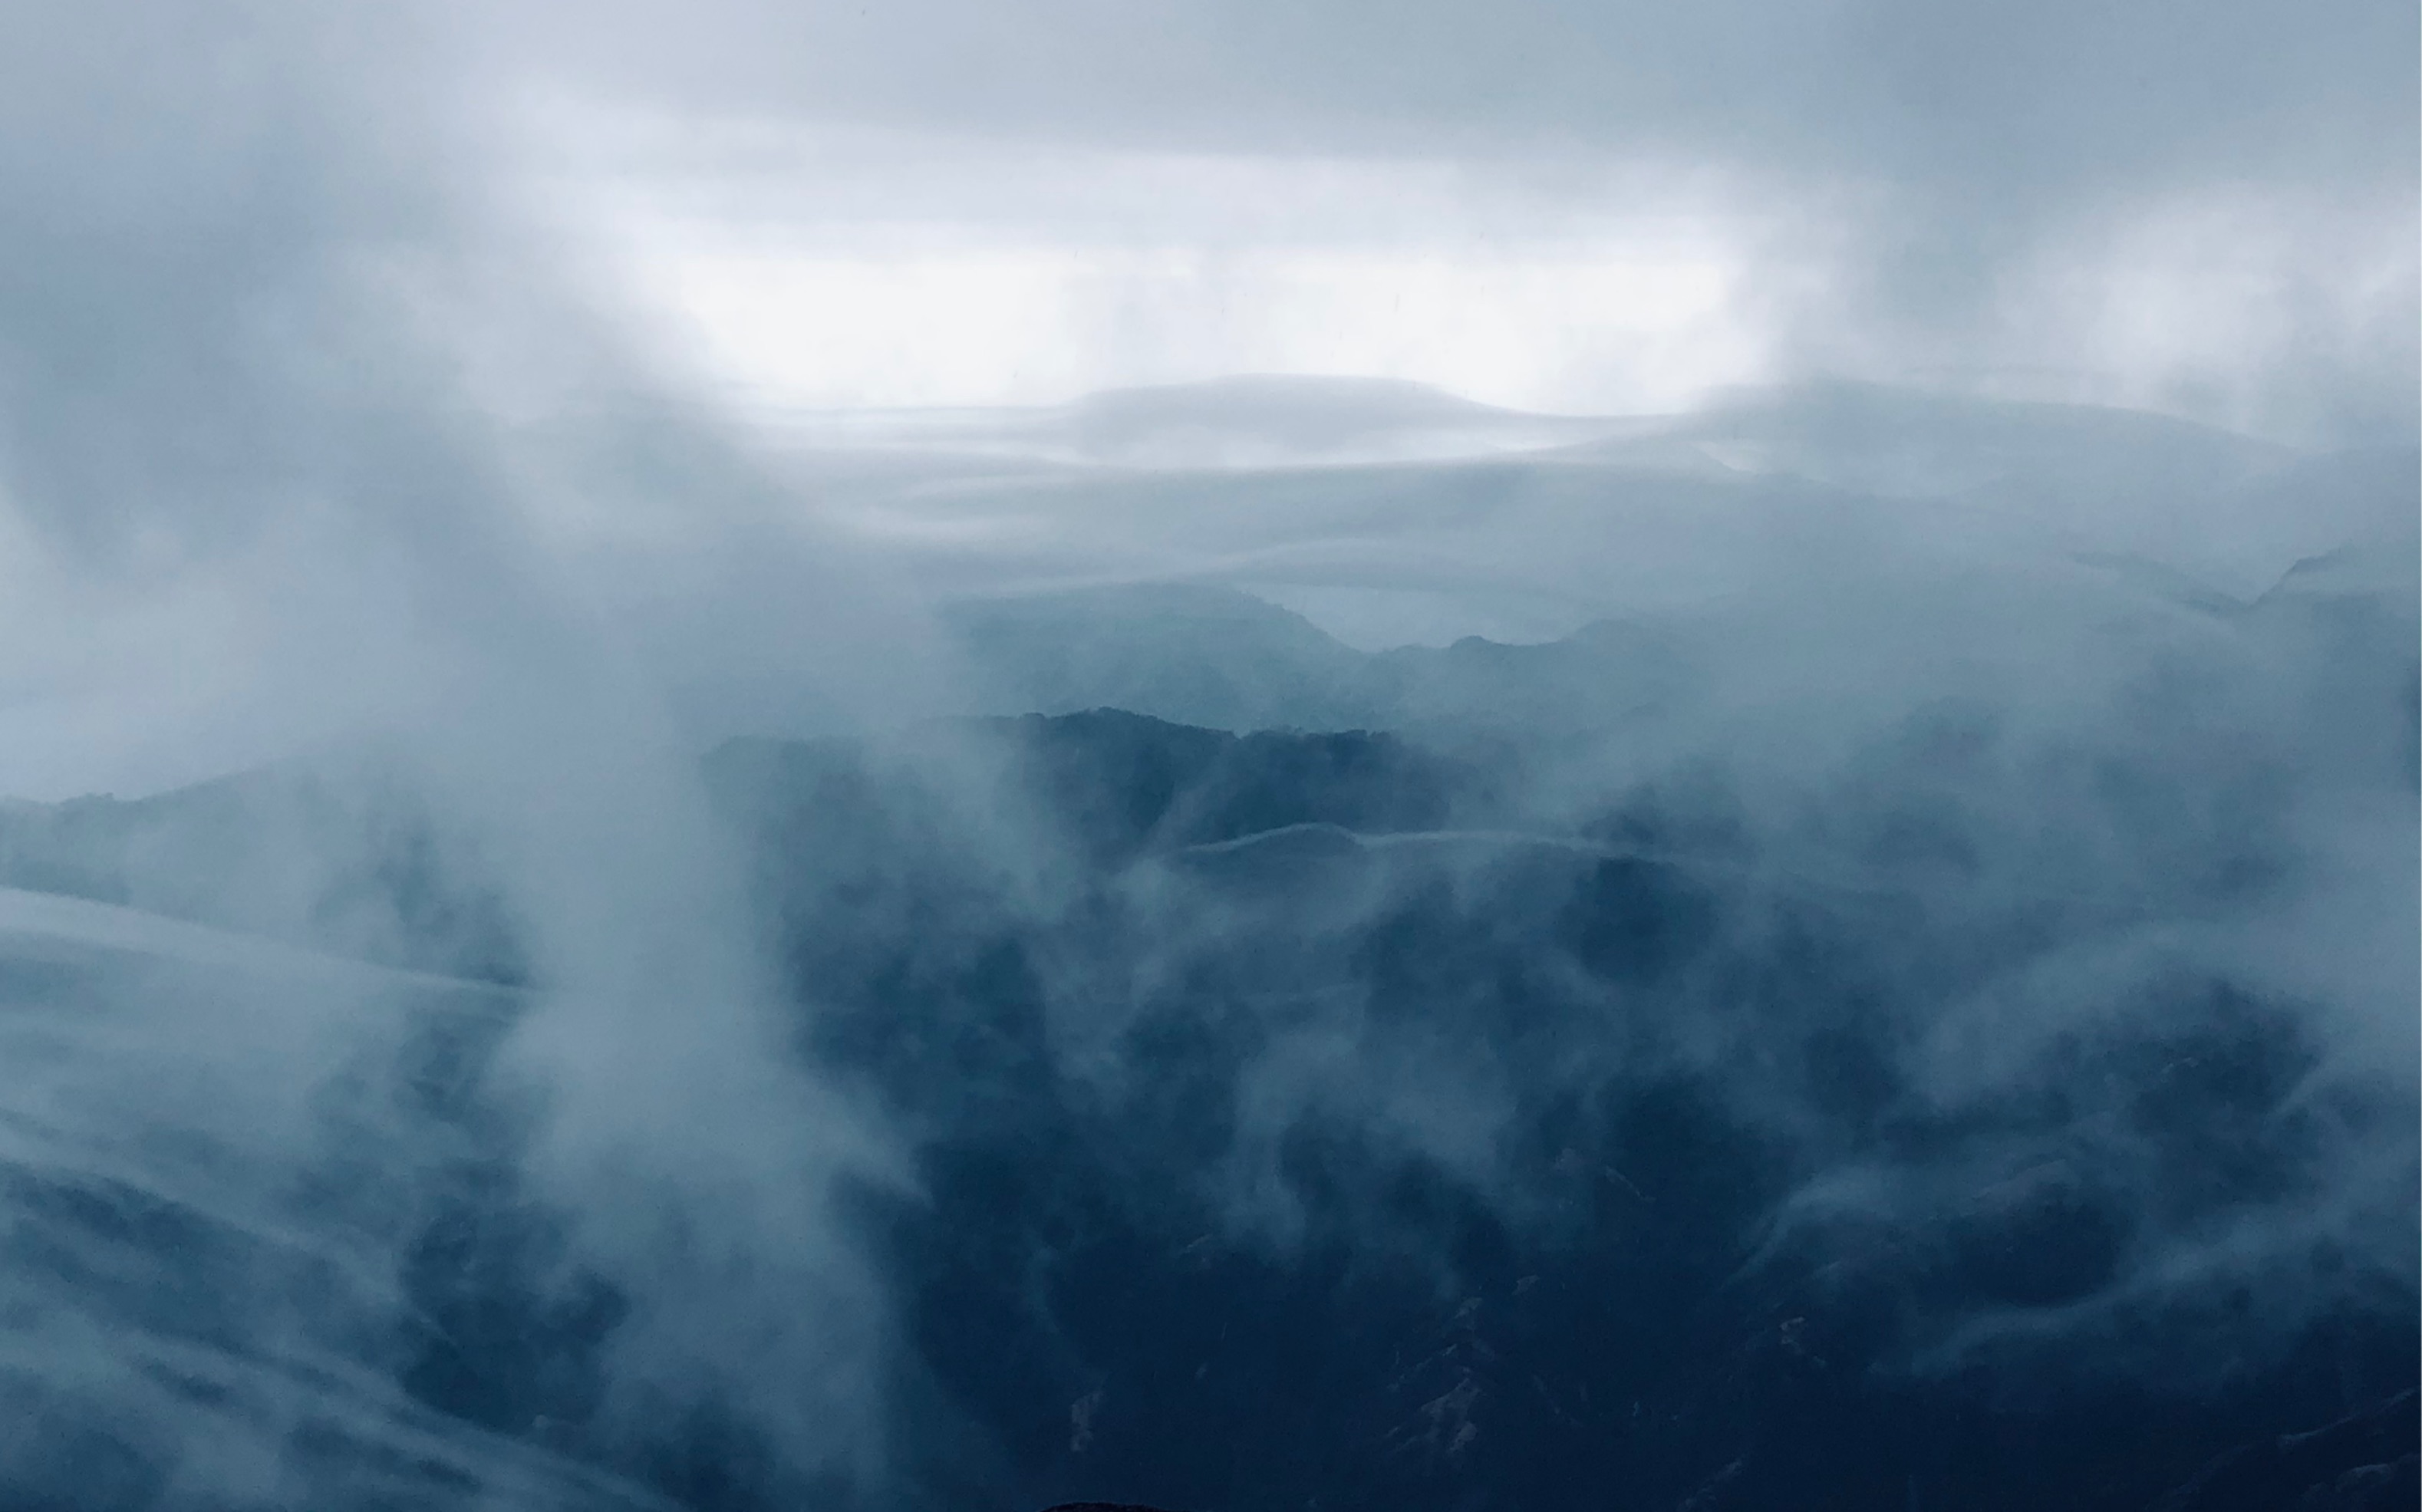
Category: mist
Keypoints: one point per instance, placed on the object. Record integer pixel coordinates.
(948, 758)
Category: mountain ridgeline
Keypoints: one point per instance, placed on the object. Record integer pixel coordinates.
(1364, 1119)
(1900, 1034)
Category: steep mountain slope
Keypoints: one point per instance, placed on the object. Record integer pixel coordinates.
(1904, 1083)
(1335, 1124)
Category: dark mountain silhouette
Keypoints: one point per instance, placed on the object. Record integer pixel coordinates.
(1360, 1118)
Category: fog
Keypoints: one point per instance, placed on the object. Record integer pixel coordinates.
(938, 756)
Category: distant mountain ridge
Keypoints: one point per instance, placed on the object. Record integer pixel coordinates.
(342, 857)
(1201, 654)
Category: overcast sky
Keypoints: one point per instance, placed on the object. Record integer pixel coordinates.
(1586, 205)
(288, 283)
